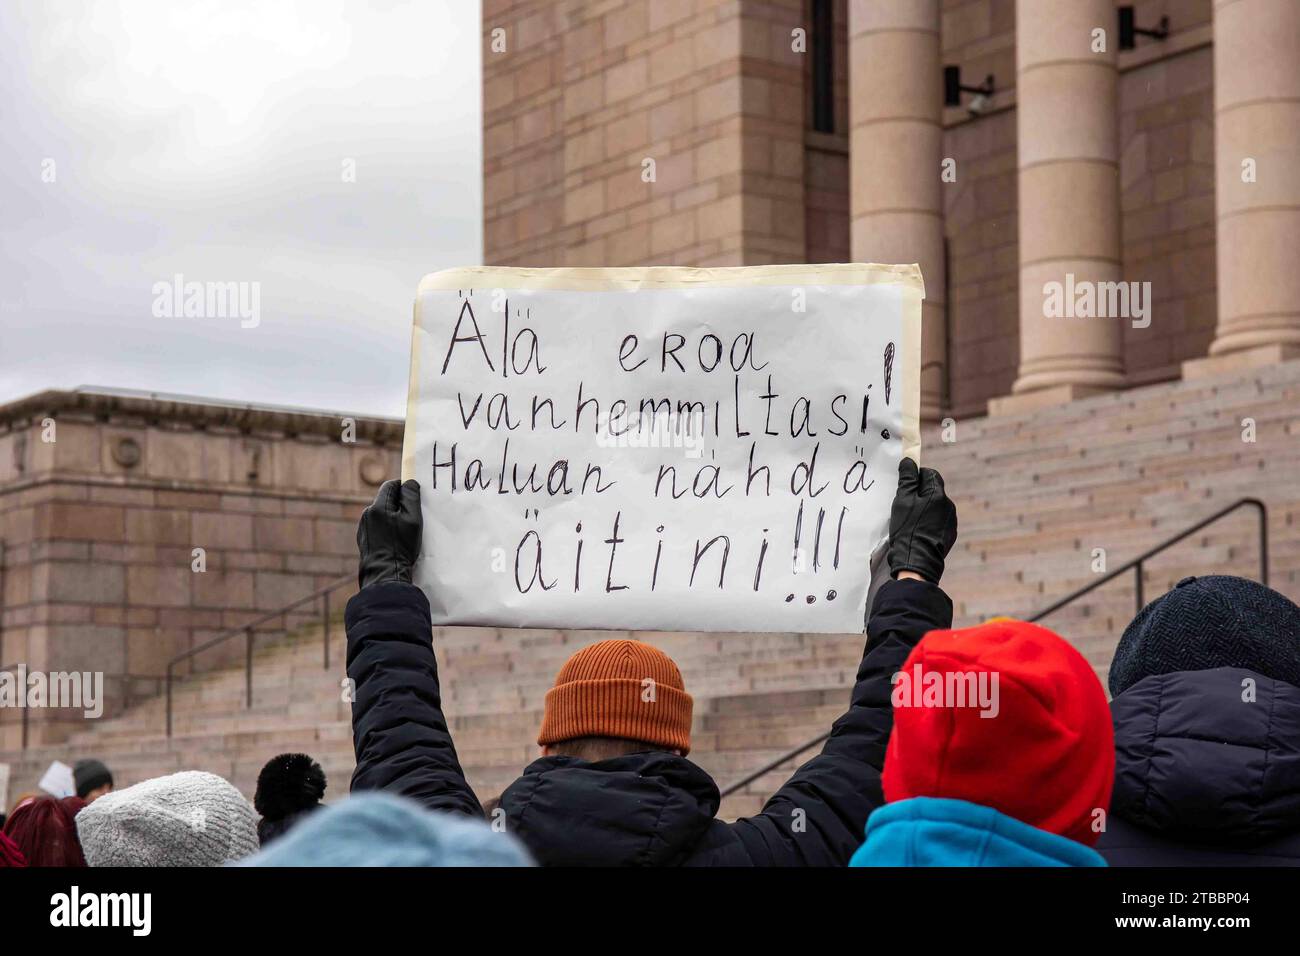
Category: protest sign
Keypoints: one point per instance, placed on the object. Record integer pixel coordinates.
(660, 448)
(58, 780)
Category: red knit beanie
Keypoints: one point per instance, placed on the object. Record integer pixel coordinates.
(623, 689)
(1047, 758)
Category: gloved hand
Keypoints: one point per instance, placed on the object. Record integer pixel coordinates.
(388, 535)
(923, 523)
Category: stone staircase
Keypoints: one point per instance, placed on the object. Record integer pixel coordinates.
(1036, 495)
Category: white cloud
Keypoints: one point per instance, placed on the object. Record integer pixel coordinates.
(208, 138)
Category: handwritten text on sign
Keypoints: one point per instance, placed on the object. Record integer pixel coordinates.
(660, 449)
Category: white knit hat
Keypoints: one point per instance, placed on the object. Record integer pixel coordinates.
(185, 819)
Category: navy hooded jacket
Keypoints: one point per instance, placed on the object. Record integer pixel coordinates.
(1207, 771)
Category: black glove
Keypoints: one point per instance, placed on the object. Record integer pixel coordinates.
(388, 536)
(923, 523)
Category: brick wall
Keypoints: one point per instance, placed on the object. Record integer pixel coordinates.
(99, 551)
(585, 93)
(1167, 178)
(826, 215)
(980, 208)
(983, 269)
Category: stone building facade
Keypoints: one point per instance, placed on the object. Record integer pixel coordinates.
(817, 130)
(104, 499)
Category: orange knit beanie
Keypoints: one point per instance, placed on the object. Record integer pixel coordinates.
(623, 689)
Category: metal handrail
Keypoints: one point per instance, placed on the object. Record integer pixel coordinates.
(1133, 565)
(1136, 563)
(249, 632)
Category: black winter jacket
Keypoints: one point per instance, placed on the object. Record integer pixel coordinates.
(652, 808)
(1204, 777)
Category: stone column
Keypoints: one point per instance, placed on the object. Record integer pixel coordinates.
(895, 151)
(1069, 212)
(1257, 187)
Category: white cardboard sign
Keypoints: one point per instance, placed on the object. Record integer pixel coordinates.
(58, 780)
(662, 448)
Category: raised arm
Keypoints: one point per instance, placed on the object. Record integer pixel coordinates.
(817, 817)
(398, 730)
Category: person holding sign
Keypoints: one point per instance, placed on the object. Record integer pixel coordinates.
(613, 785)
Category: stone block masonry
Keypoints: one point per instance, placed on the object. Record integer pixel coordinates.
(104, 499)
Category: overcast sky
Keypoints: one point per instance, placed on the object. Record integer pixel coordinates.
(141, 139)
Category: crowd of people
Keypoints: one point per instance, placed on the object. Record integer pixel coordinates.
(991, 745)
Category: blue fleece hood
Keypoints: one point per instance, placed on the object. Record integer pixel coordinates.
(929, 831)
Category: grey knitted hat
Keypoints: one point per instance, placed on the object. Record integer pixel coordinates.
(185, 819)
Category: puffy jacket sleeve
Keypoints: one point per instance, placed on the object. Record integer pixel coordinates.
(818, 817)
(398, 729)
